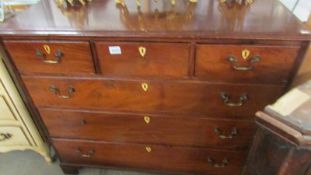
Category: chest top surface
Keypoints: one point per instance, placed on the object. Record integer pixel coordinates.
(264, 19)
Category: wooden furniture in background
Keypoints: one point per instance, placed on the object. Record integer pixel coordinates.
(17, 130)
(162, 87)
(282, 144)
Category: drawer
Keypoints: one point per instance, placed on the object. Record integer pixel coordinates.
(51, 57)
(12, 136)
(147, 128)
(245, 63)
(151, 157)
(214, 100)
(144, 59)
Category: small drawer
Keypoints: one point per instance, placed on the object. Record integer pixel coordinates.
(143, 59)
(245, 63)
(182, 97)
(51, 57)
(152, 157)
(12, 136)
(191, 131)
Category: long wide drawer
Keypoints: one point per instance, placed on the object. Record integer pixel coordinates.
(151, 157)
(215, 100)
(245, 63)
(191, 131)
(51, 57)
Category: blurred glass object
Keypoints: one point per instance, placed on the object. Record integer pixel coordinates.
(10, 7)
(66, 4)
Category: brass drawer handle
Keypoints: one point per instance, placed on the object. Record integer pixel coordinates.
(233, 61)
(56, 91)
(223, 164)
(89, 153)
(58, 56)
(222, 136)
(226, 98)
(5, 136)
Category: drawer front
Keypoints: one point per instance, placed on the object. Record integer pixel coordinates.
(51, 57)
(151, 157)
(144, 59)
(171, 97)
(245, 63)
(148, 129)
(12, 136)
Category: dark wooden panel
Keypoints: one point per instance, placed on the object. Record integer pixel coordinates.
(168, 130)
(151, 157)
(274, 65)
(159, 59)
(171, 97)
(76, 57)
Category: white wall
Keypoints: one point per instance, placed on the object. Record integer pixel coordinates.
(301, 8)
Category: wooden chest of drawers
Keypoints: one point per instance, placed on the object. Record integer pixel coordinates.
(161, 87)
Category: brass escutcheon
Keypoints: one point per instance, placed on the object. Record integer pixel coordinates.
(142, 51)
(148, 149)
(145, 86)
(147, 119)
(245, 54)
(47, 49)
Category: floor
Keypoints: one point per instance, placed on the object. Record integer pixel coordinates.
(31, 163)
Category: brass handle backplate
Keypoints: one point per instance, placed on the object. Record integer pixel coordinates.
(5, 136)
(226, 98)
(222, 135)
(55, 90)
(58, 56)
(251, 61)
(223, 164)
(89, 153)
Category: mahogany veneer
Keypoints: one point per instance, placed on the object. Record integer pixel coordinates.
(30, 57)
(160, 59)
(174, 97)
(148, 128)
(158, 88)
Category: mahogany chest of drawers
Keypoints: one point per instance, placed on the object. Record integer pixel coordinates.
(159, 87)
